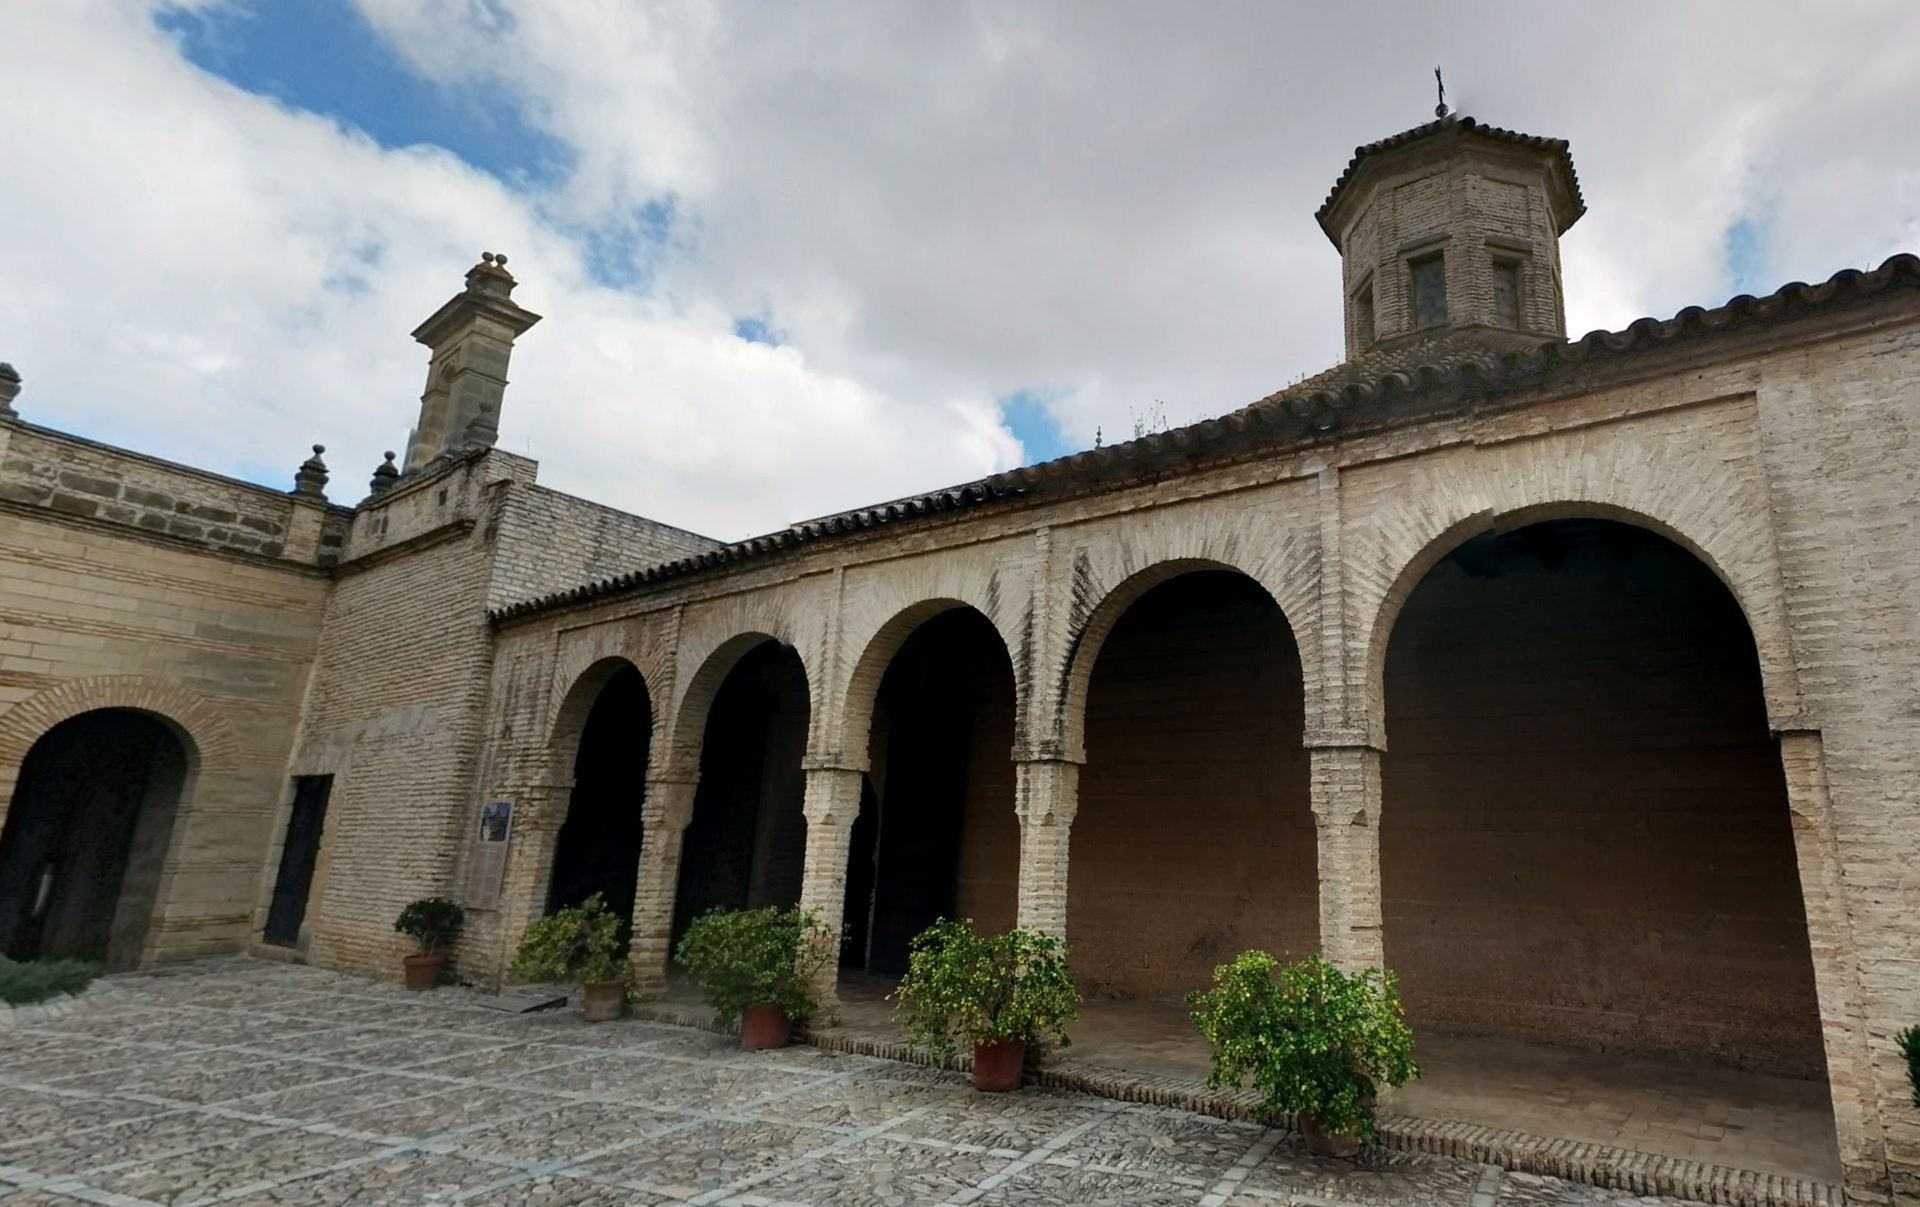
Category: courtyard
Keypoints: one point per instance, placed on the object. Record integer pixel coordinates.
(238, 1081)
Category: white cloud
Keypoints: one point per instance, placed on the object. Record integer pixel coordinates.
(937, 206)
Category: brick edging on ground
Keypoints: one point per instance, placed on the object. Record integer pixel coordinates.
(1593, 1164)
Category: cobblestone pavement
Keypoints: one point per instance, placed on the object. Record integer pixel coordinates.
(246, 1082)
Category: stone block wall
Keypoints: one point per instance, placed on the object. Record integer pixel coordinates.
(129, 583)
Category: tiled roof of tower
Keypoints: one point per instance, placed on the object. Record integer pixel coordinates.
(1303, 414)
(1463, 125)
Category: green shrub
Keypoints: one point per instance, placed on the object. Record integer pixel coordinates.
(965, 988)
(434, 921)
(576, 945)
(754, 957)
(23, 982)
(1314, 1039)
(1909, 1041)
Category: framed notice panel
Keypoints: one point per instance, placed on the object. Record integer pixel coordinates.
(487, 862)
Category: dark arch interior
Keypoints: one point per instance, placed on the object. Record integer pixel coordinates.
(598, 849)
(1195, 838)
(86, 838)
(745, 844)
(936, 836)
(1585, 836)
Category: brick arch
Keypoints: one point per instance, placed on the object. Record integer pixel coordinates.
(681, 758)
(1070, 724)
(576, 705)
(863, 685)
(1657, 487)
(207, 735)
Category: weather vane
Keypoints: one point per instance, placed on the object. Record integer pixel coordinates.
(1440, 110)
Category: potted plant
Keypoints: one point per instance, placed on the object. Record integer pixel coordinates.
(754, 964)
(1316, 1041)
(435, 923)
(997, 994)
(578, 945)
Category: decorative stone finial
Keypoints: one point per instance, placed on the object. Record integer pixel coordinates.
(9, 389)
(311, 481)
(384, 476)
(490, 276)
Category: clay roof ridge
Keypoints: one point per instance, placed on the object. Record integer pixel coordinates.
(1297, 407)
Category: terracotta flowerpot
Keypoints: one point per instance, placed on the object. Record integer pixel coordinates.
(765, 1026)
(996, 1066)
(603, 1001)
(1340, 1144)
(423, 972)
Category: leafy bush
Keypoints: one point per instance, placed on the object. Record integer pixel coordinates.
(1909, 1041)
(1314, 1039)
(23, 982)
(754, 957)
(963, 987)
(578, 945)
(434, 921)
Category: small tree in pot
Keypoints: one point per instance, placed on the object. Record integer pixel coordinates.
(754, 965)
(578, 945)
(435, 923)
(1316, 1041)
(996, 994)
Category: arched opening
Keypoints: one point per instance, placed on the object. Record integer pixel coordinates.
(745, 844)
(1194, 839)
(87, 835)
(1584, 835)
(1585, 843)
(598, 848)
(936, 835)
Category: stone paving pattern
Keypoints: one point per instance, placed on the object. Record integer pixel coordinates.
(245, 1082)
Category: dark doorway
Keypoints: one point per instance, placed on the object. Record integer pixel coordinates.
(86, 839)
(598, 848)
(936, 835)
(1195, 839)
(1585, 837)
(298, 855)
(746, 842)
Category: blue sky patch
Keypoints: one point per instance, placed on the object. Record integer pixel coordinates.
(322, 56)
(756, 331)
(1744, 248)
(1026, 415)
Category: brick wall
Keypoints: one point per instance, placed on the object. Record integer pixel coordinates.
(550, 541)
(1194, 840)
(1585, 836)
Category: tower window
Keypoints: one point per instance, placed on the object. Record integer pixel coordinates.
(1429, 280)
(1363, 317)
(1506, 294)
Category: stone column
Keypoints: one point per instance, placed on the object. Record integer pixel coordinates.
(1346, 812)
(668, 809)
(1866, 1173)
(1046, 797)
(832, 803)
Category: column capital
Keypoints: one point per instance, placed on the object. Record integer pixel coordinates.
(832, 796)
(1050, 751)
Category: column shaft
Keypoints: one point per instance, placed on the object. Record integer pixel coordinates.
(1346, 810)
(832, 803)
(1047, 795)
(668, 809)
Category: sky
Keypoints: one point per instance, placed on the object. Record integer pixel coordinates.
(796, 258)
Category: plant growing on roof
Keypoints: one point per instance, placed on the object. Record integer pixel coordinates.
(965, 988)
(579, 944)
(1316, 1041)
(744, 958)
